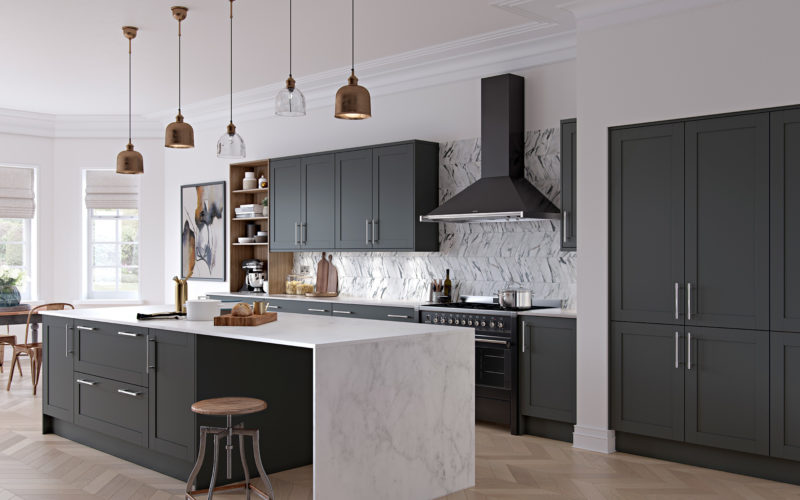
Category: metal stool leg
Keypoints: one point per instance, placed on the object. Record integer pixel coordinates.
(244, 466)
(201, 454)
(214, 468)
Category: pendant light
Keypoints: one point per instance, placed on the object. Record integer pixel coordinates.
(290, 101)
(352, 100)
(179, 134)
(129, 161)
(231, 144)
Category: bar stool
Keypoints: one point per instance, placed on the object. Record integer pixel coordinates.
(229, 407)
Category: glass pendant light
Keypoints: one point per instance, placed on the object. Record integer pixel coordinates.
(290, 101)
(179, 134)
(352, 100)
(129, 161)
(231, 144)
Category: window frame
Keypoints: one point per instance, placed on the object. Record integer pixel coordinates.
(116, 294)
(28, 226)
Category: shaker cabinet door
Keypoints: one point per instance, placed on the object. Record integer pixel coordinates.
(285, 207)
(647, 224)
(569, 216)
(354, 194)
(318, 200)
(57, 360)
(393, 202)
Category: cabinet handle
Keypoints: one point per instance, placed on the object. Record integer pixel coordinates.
(147, 365)
(689, 353)
(338, 312)
(689, 300)
(677, 306)
(128, 334)
(565, 234)
(273, 307)
(128, 393)
(317, 310)
(85, 382)
(524, 343)
(677, 347)
(66, 341)
(366, 231)
(374, 238)
(303, 233)
(86, 328)
(296, 237)
(401, 316)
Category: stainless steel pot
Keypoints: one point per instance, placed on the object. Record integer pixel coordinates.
(514, 298)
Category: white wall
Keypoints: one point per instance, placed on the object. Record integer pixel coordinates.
(733, 56)
(441, 113)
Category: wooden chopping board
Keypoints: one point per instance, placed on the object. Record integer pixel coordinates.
(254, 320)
(322, 274)
(332, 281)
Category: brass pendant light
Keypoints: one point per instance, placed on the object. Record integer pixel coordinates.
(352, 100)
(290, 101)
(231, 144)
(179, 134)
(129, 161)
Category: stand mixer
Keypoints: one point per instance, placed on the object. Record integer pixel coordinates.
(254, 276)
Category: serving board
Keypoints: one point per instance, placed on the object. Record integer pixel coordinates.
(254, 320)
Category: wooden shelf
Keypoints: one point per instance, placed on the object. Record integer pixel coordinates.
(251, 244)
(245, 191)
(250, 218)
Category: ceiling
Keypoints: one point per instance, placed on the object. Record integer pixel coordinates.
(69, 57)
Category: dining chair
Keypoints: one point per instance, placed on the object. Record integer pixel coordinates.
(33, 350)
(7, 339)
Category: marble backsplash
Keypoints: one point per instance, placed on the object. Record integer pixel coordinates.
(482, 257)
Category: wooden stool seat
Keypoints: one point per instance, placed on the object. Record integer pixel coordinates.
(229, 406)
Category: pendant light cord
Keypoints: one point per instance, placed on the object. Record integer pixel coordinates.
(179, 67)
(290, 38)
(353, 36)
(231, 75)
(129, 90)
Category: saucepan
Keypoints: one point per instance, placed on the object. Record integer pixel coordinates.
(514, 298)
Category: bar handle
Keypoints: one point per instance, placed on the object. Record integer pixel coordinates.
(374, 238)
(147, 365)
(492, 341)
(273, 307)
(128, 393)
(400, 316)
(677, 305)
(689, 353)
(565, 229)
(689, 300)
(66, 341)
(524, 337)
(85, 382)
(311, 309)
(86, 328)
(339, 312)
(303, 233)
(677, 348)
(366, 231)
(128, 334)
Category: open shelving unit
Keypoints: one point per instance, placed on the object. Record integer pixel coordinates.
(278, 265)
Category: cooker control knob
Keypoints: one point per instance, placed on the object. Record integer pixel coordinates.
(491, 324)
(483, 323)
(436, 319)
(463, 322)
(469, 322)
(499, 324)
(450, 321)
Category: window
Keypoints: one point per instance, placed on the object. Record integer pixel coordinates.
(15, 250)
(113, 253)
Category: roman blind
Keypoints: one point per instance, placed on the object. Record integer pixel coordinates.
(108, 189)
(16, 193)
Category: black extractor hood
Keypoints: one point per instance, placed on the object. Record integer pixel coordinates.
(502, 194)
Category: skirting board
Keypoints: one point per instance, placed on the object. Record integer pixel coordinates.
(594, 439)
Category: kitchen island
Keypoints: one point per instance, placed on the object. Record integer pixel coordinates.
(381, 409)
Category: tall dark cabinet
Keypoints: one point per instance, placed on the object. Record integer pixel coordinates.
(569, 215)
(317, 177)
(57, 383)
(286, 188)
(354, 195)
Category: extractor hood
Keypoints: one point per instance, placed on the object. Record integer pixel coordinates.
(502, 194)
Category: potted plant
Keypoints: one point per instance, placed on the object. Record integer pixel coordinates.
(265, 208)
(9, 279)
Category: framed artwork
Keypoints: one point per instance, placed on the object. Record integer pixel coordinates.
(203, 245)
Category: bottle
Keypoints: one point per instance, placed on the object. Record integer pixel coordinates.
(448, 286)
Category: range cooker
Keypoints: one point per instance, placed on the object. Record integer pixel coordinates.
(496, 352)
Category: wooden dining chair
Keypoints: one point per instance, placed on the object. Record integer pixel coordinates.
(33, 349)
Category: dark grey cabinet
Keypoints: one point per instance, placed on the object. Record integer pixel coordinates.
(785, 395)
(354, 198)
(386, 313)
(171, 393)
(547, 386)
(392, 207)
(569, 215)
(727, 221)
(647, 379)
(647, 224)
(111, 351)
(317, 193)
(57, 360)
(785, 221)
(727, 389)
(112, 407)
(285, 204)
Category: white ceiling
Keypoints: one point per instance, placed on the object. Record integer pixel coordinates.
(69, 56)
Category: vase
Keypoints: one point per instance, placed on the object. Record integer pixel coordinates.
(9, 296)
(264, 210)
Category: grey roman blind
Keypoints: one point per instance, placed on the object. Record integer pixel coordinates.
(16, 193)
(107, 189)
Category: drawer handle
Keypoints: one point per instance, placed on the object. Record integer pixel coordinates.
(402, 316)
(128, 334)
(273, 307)
(85, 382)
(339, 312)
(128, 393)
(87, 328)
(317, 310)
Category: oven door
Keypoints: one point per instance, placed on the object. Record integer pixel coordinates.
(493, 362)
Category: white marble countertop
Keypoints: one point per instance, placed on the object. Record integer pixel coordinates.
(298, 330)
(551, 313)
(333, 300)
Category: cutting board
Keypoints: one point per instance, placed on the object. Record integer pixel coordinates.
(332, 282)
(322, 275)
(254, 320)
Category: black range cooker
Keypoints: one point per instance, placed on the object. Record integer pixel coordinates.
(496, 352)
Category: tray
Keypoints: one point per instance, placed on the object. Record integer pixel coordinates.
(254, 320)
(323, 294)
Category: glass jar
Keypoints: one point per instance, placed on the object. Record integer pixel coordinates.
(299, 284)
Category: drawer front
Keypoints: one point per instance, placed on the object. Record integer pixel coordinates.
(407, 314)
(113, 351)
(300, 306)
(114, 408)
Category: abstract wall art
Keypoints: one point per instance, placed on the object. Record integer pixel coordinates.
(203, 243)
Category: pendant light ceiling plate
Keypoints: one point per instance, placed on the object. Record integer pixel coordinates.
(130, 32)
(179, 12)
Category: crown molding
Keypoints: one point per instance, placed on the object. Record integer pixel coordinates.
(18, 122)
(513, 49)
(595, 14)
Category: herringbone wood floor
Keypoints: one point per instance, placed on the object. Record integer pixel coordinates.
(36, 466)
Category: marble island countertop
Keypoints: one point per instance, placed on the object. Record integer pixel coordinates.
(298, 330)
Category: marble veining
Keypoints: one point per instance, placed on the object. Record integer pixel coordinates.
(482, 257)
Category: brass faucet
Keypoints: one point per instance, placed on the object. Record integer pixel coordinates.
(181, 294)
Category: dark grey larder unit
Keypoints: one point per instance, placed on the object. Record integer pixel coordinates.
(785, 221)
(569, 214)
(57, 383)
(358, 199)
